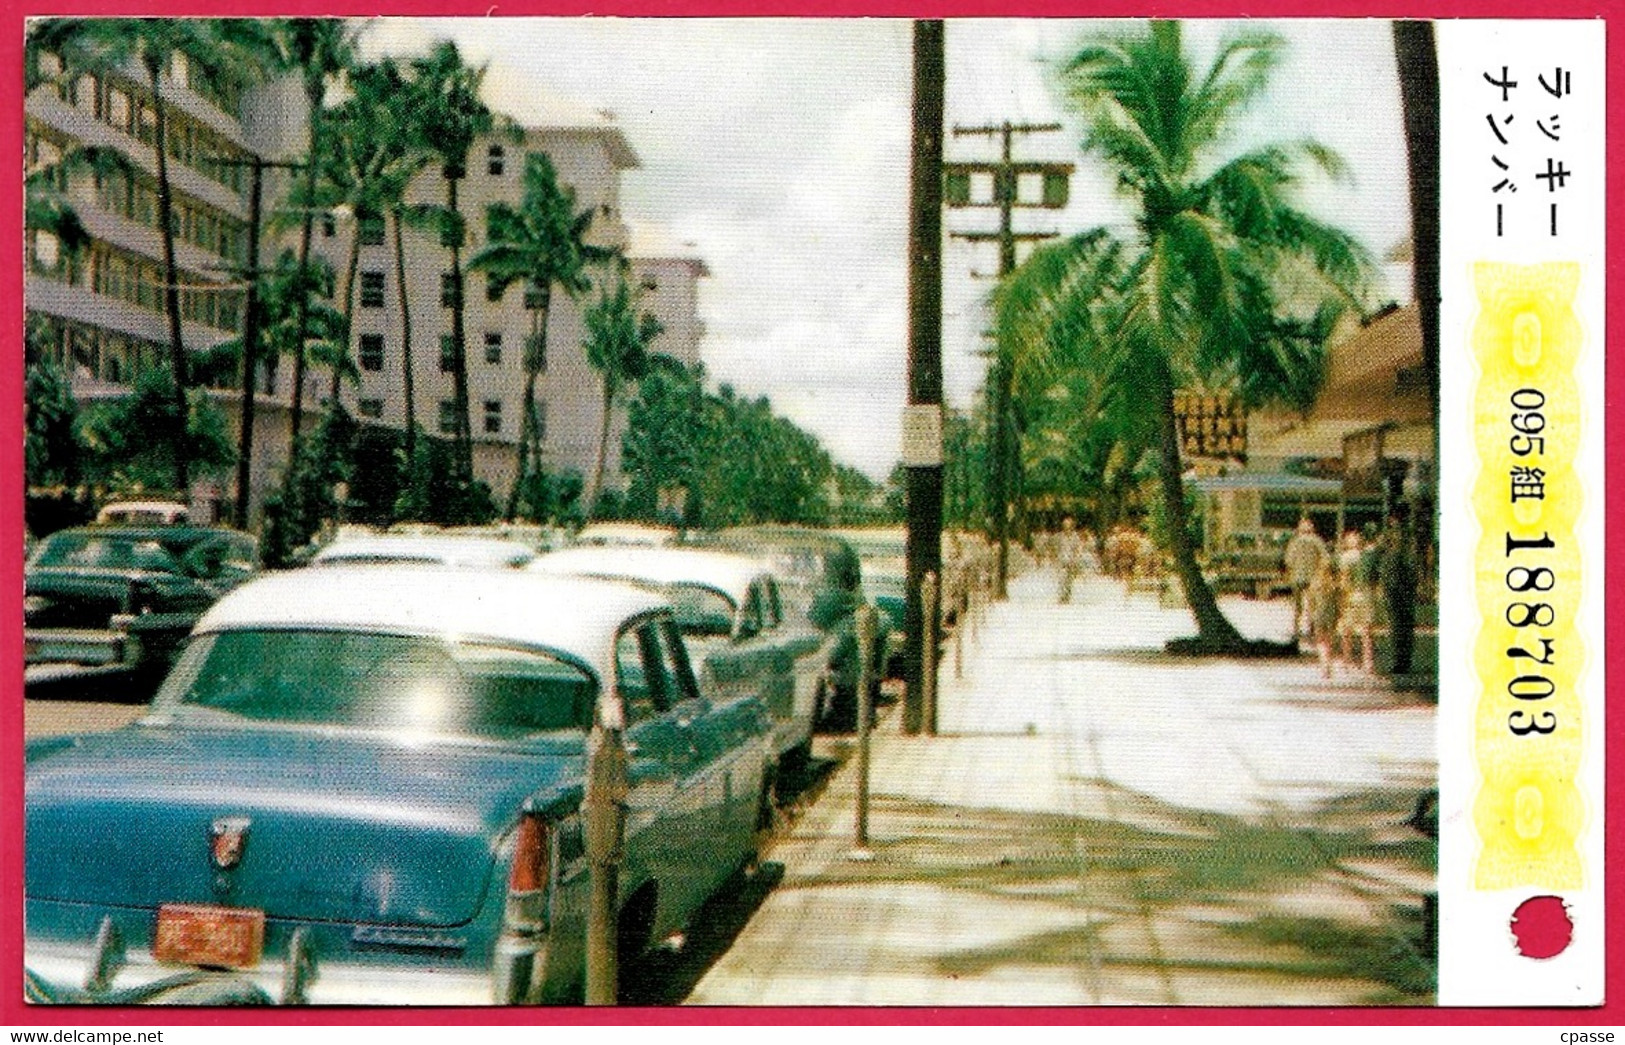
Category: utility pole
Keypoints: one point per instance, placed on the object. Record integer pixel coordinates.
(250, 351)
(1007, 174)
(251, 323)
(922, 418)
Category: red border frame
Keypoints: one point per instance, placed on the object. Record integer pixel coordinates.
(14, 1012)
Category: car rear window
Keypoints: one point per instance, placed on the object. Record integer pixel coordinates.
(700, 610)
(409, 683)
(107, 552)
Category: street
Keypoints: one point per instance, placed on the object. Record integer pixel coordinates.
(1098, 823)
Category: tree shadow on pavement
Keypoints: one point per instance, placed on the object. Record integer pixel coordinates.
(1323, 897)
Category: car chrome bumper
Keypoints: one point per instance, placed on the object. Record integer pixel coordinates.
(59, 975)
(94, 646)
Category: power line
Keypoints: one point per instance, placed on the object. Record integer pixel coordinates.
(1007, 174)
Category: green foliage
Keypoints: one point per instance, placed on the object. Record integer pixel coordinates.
(617, 346)
(553, 497)
(759, 467)
(118, 435)
(306, 498)
(663, 448)
(542, 243)
(52, 449)
(1224, 284)
(280, 287)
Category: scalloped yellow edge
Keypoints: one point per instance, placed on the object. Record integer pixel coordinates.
(1529, 809)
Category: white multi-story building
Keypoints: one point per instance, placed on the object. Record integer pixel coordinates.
(101, 314)
(589, 160)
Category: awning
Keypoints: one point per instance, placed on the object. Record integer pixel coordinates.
(1283, 483)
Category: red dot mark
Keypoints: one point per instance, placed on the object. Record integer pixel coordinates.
(1541, 927)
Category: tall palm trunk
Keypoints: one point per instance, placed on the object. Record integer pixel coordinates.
(464, 434)
(535, 352)
(1212, 628)
(350, 266)
(999, 470)
(313, 100)
(172, 292)
(406, 340)
(611, 386)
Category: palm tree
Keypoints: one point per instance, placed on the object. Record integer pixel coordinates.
(542, 242)
(369, 161)
(445, 102)
(281, 286)
(321, 50)
(380, 87)
(1224, 282)
(618, 339)
(227, 48)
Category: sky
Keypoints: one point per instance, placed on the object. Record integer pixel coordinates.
(779, 150)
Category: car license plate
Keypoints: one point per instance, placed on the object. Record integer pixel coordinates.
(204, 934)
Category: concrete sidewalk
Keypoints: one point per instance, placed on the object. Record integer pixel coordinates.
(1101, 823)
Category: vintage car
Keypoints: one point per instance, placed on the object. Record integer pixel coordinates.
(126, 595)
(143, 513)
(729, 611)
(821, 580)
(363, 786)
(444, 549)
(625, 533)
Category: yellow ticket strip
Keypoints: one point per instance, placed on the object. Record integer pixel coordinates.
(1528, 657)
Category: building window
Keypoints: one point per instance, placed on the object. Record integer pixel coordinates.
(448, 289)
(493, 416)
(330, 225)
(370, 407)
(370, 227)
(372, 351)
(493, 161)
(372, 289)
(493, 346)
(448, 354)
(493, 288)
(448, 415)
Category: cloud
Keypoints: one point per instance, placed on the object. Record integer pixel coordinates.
(780, 148)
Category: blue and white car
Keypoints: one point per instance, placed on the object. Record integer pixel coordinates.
(362, 786)
(742, 637)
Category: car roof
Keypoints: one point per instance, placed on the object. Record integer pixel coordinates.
(619, 533)
(727, 572)
(164, 534)
(575, 615)
(446, 549)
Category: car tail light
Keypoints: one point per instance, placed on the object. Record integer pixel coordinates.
(530, 874)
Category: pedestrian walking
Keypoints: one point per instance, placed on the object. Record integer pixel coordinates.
(1356, 563)
(1068, 557)
(1305, 553)
(1324, 599)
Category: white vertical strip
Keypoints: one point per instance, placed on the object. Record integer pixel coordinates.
(1478, 963)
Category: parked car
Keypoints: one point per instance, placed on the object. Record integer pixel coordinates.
(363, 786)
(143, 513)
(126, 595)
(822, 581)
(729, 610)
(881, 554)
(444, 549)
(625, 533)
